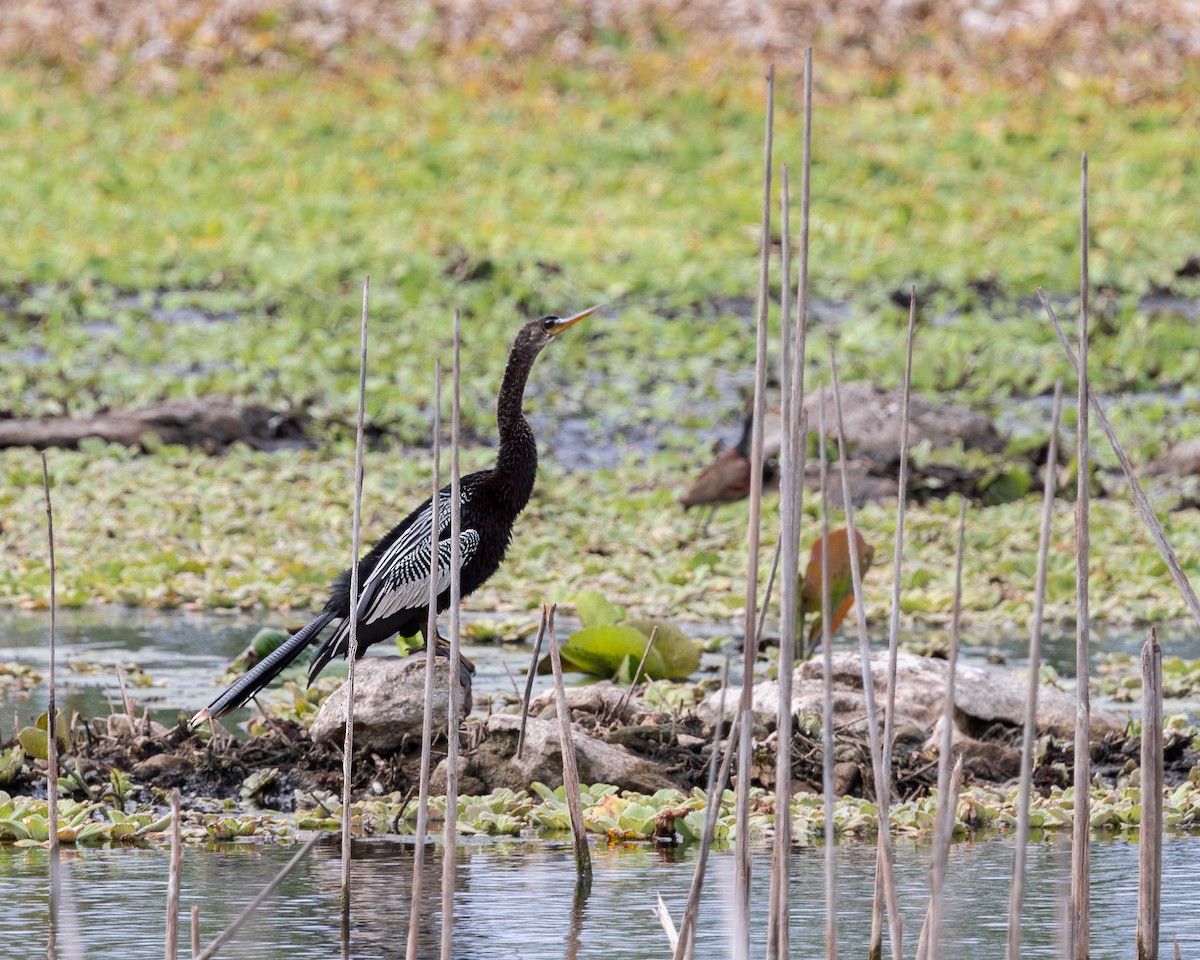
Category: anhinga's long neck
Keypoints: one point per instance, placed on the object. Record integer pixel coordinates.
(516, 461)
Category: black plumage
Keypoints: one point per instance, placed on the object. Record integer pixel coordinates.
(394, 574)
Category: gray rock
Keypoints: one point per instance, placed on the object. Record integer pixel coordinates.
(389, 703)
(603, 699)
(872, 423)
(494, 764)
(1181, 460)
(981, 697)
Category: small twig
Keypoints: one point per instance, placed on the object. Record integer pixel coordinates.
(1150, 838)
(352, 648)
(742, 860)
(638, 672)
(431, 637)
(895, 922)
(454, 708)
(174, 879)
(944, 822)
(1081, 827)
(663, 915)
(533, 662)
(571, 785)
(1017, 891)
(889, 719)
(125, 701)
(211, 950)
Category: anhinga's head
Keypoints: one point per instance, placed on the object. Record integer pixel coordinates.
(537, 333)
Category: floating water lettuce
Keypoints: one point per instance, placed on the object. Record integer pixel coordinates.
(607, 647)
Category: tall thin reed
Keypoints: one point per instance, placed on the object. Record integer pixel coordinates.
(571, 785)
(52, 680)
(533, 662)
(943, 834)
(742, 862)
(454, 707)
(174, 879)
(1081, 811)
(944, 821)
(895, 922)
(1150, 837)
(352, 649)
(1016, 897)
(195, 932)
(827, 702)
(777, 924)
(435, 511)
(712, 810)
(211, 950)
(875, 951)
(1136, 492)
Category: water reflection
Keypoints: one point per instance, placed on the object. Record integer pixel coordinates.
(514, 899)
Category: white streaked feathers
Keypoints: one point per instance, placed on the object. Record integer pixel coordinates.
(405, 584)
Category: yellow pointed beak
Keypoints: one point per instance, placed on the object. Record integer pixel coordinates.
(571, 321)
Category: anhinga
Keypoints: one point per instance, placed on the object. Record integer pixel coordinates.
(394, 574)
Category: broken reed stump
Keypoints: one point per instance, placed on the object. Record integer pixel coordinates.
(1150, 837)
(571, 786)
(174, 879)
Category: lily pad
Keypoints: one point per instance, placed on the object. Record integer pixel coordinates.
(602, 650)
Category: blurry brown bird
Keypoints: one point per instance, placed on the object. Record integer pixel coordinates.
(727, 478)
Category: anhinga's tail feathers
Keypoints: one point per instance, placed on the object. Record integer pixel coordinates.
(337, 644)
(264, 671)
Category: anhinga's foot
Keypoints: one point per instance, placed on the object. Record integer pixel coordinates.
(441, 648)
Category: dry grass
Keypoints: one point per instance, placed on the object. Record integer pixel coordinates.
(1139, 41)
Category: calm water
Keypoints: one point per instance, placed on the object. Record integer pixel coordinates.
(513, 900)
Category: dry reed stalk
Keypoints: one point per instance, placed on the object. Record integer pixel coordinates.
(1081, 810)
(1140, 501)
(352, 646)
(52, 680)
(174, 879)
(777, 931)
(571, 786)
(1150, 839)
(454, 706)
(827, 702)
(944, 821)
(195, 932)
(895, 922)
(1016, 898)
(742, 862)
(941, 841)
(431, 634)
(533, 662)
(211, 950)
(875, 951)
(712, 809)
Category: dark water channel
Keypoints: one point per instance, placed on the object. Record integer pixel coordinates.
(514, 900)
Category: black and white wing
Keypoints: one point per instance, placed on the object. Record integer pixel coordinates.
(404, 583)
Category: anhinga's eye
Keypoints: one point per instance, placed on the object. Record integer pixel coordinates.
(548, 323)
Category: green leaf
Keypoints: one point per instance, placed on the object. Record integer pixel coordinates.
(680, 656)
(595, 610)
(600, 650)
